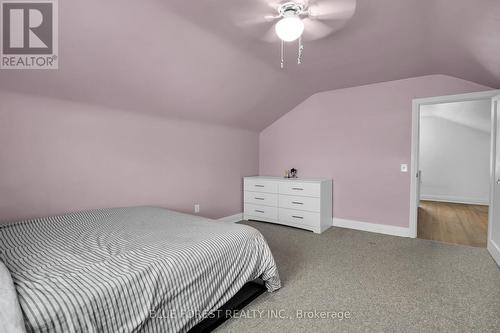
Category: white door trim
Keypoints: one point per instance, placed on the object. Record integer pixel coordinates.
(415, 129)
(492, 246)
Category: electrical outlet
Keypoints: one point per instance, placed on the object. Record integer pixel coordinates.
(404, 167)
(197, 208)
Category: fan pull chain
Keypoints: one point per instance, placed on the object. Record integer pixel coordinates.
(282, 53)
(301, 51)
(299, 56)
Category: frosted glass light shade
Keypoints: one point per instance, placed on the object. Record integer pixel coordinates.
(289, 29)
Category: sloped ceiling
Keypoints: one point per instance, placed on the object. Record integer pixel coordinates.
(189, 60)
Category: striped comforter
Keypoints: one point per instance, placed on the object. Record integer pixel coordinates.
(129, 269)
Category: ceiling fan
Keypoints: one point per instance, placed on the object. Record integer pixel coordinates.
(300, 20)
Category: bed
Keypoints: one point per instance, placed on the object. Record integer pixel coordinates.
(143, 269)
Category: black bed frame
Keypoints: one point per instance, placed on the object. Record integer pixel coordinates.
(242, 298)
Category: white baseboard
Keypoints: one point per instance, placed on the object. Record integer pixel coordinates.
(372, 227)
(453, 199)
(494, 251)
(350, 224)
(232, 219)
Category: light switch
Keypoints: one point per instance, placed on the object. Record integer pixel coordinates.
(404, 167)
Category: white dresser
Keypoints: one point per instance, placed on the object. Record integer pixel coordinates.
(301, 203)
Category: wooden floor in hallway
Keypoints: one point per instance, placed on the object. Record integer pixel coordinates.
(453, 223)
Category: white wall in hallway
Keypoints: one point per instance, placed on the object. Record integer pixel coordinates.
(455, 152)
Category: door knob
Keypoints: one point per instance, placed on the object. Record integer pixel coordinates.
(498, 181)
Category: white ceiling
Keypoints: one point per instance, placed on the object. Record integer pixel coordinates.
(473, 114)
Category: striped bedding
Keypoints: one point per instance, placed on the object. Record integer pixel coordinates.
(139, 269)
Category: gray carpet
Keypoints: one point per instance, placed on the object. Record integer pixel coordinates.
(387, 284)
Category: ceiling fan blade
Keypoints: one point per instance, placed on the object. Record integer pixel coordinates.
(258, 17)
(315, 29)
(256, 20)
(262, 28)
(254, 12)
(332, 10)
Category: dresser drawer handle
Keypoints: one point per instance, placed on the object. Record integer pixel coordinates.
(297, 217)
(259, 185)
(259, 198)
(297, 203)
(259, 211)
(297, 189)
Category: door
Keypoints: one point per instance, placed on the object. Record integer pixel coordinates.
(494, 213)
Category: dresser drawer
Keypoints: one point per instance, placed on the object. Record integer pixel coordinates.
(301, 203)
(261, 198)
(261, 211)
(299, 217)
(297, 188)
(256, 185)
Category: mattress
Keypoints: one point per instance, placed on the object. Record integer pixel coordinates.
(135, 269)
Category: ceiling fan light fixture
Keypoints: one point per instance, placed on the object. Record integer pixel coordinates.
(289, 28)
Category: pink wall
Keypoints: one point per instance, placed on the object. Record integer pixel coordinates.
(359, 137)
(58, 156)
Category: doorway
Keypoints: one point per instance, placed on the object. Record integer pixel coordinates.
(470, 206)
(454, 166)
